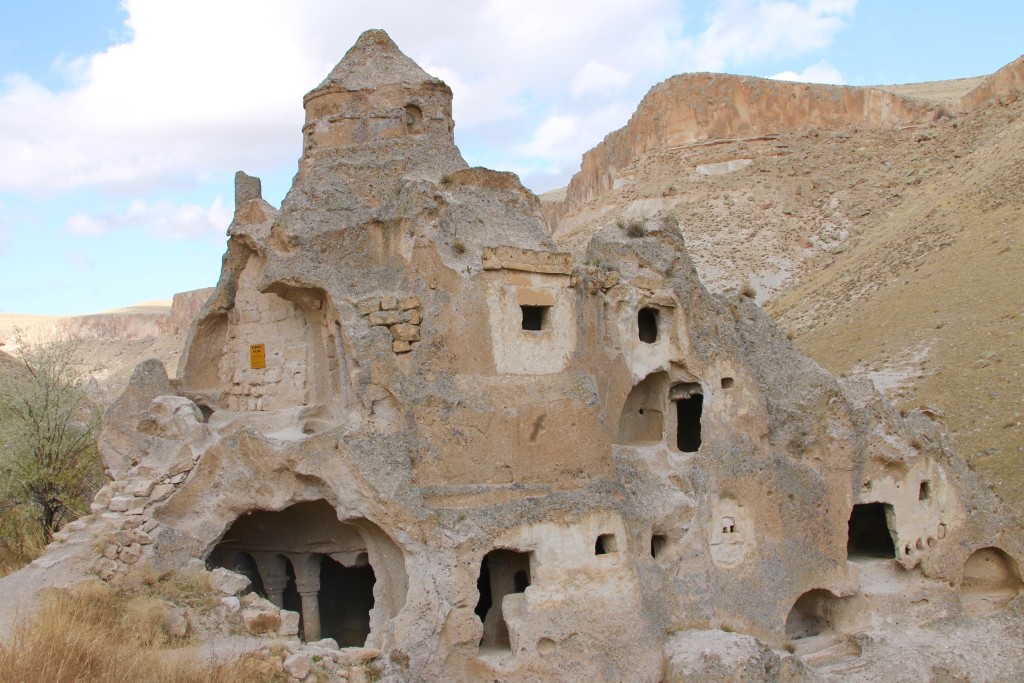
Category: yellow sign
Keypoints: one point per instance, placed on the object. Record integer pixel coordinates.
(257, 356)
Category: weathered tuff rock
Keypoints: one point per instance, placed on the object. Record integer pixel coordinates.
(123, 324)
(686, 110)
(572, 469)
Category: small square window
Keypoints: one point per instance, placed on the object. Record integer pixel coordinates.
(606, 544)
(535, 318)
(925, 492)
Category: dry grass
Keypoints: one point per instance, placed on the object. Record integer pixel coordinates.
(633, 227)
(20, 543)
(94, 633)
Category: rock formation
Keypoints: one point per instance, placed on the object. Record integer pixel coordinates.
(707, 108)
(408, 417)
(128, 324)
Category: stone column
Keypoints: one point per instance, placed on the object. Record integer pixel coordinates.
(274, 575)
(307, 580)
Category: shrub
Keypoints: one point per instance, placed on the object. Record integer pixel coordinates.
(49, 464)
(633, 227)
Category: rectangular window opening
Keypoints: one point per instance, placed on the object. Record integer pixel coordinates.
(689, 405)
(535, 318)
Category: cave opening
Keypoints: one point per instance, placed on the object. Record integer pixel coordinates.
(504, 575)
(689, 402)
(647, 325)
(346, 598)
(869, 536)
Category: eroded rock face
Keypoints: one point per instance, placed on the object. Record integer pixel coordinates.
(705, 108)
(405, 415)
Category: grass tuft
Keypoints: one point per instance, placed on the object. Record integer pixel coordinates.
(91, 633)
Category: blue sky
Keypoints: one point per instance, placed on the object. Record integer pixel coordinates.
(122, 123)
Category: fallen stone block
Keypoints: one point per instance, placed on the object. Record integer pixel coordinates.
(258, 621)
(121, 503)
(228, 582)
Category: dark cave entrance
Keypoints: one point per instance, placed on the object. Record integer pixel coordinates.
(869, 536)
(346, 598)
(689, 400)
(535, 318)
(647, 325)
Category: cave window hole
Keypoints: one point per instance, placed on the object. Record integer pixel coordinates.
(606, 544)
(728, 382)
(728, 525)
(502, 573)
(535, 318)
(647, 325)
(659, 543)
(869, 535)
(413, 116)
(925, 491)
(689, 400)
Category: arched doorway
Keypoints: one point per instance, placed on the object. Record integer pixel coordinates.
(344, 578)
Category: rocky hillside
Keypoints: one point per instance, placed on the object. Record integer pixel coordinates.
(115, 341)
(883, 226)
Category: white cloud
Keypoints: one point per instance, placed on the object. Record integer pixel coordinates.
(201, 87)
(820, 72)
(162, 220)
(562, 138)
(598, 78)
(743, 30)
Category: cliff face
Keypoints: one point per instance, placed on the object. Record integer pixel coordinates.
(691, 109)
(703, 107)
(135, 323)
(1003, 86)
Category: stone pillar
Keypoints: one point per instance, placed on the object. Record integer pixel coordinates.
(311, 614)
(274, 574)
(307, 580)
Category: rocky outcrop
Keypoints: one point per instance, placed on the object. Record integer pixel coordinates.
(140, 323)
(1004, 86)
(701, 108)
(704, 107)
